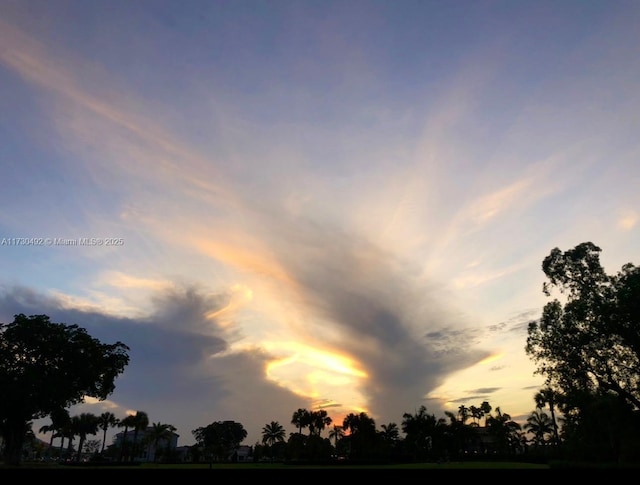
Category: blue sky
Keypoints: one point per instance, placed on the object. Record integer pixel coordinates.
(338, 205)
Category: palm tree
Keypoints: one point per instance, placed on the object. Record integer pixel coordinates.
(172, 429)
(390, 431)
(46, 429)
(476, 414)
(318, 420)
(390, 434)
(459, 431)
(504, 430)
(140, 423)
(419, 429)
(127, 423)
(362, 434)
(60, 420)
(83, 425)
(159, 432)
(540, 426)
(273, 433)
(336, 433)
(485, 408)
(67, 430)
(300, 419)
(544, 397)
(105, 421)
(463, 413)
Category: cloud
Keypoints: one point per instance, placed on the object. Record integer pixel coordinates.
(362, 302)
(364, 321)
(485, 390)
(180, 371)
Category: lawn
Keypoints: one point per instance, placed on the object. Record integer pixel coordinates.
(468, 465)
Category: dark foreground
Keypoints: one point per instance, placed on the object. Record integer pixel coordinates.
(278, 466)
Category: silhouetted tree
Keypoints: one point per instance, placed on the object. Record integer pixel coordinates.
(127, 423)
(540, 426)
(48, 429)
(105, 421)
(362, 438)
(592, 340)
(318, 420)
(549, 397)
(485, 408)
(273, 433)
(82, 425)
(588, 345)
(158, 433)
(419, 429)
(301, 419)
(140, 422)
(220, 439)
(46, 366)
(336, 434)
(505, 431)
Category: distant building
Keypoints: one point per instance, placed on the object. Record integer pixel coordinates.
(243, 453)
(147, 448)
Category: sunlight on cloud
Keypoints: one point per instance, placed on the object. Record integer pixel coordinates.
(225, 316)
(104, 405)
(491, 358)
(98, 302)
(304, 354)
(135, 300)
(628, 220)
(489, 206)
(123, 280)
(330, 378)
(314, 373)
(275, 294)
(254, 260)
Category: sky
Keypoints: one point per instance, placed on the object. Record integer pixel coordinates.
(338, 205)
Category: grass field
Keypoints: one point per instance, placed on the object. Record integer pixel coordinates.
(470, 465)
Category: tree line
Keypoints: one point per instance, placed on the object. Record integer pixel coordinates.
(156, 437)
(471, 430)
(587, 347)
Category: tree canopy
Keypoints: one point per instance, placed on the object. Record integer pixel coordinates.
(220, 439)
(46, 367)
(590, 342)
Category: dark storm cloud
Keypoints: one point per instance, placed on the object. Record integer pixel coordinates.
(448, 341)
(162, 347)
(179, 371)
